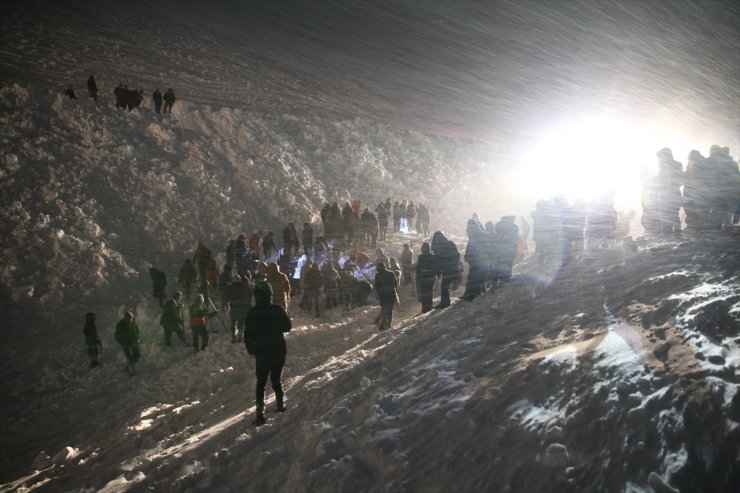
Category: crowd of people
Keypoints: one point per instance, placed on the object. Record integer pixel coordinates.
(708, 191)
(334, 270)
(703, 197)
(128, 98)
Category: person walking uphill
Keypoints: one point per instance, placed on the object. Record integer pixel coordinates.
(127, 335)
(265, 325)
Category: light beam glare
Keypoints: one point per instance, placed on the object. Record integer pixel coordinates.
(590, 156)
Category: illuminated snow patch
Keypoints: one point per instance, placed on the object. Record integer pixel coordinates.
(615, 351)
(670, 275)
(566, 356)
(121, 483)
(143, 425)
(154, 409)
(533, 417)
(179, 409)
(706, 290)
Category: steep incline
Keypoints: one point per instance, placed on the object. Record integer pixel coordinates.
(90, 193)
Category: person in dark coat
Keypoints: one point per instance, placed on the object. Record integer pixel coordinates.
(127, 335)
(169, 100)
(239, 299)
(670, 180)
(70, 93)
(186, 277)
(159, 283)
(447, 258)
(386, 289)
(382, 215)
(202, 259)
(268, 245)
(407, 263)
(331, 285)
(475, 256)
(133, 98)
(307, 236)
(157, 97)
(507, 236)
(120, 93)
(264, 327)
(92, 341)
(92, 88)
(426, 276)
(171, 319)
(313, 283)
(290, 240)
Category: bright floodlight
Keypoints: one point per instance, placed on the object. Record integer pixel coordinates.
(586, 159)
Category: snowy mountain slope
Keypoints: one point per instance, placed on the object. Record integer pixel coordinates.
(91, 193)
(618, 375)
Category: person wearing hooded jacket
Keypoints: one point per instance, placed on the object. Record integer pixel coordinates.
(447, 256)
(280, 286)
(265, 326)
(386, 289)
(127, 335)
(426, 276)
(171, 319)
(290, 240)
(92, 340)
(307, 237)
(169, 100)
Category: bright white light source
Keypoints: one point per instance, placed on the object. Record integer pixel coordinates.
(587, 158)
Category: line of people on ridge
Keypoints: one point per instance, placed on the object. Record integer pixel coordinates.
(128, 98)
(352, 226)
(708, 190)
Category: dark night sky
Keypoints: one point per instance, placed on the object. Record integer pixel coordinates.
(458, 67)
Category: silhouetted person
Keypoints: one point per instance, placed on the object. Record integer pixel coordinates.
(169, 100)
(70, 93)
(386, 289)
(92, 87)
(447, 258)
(264, 327)
(426, 275)
(159, 283)
(157, 97)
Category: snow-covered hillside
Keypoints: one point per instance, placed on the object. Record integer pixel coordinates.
(618, 375)
(90, 192)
